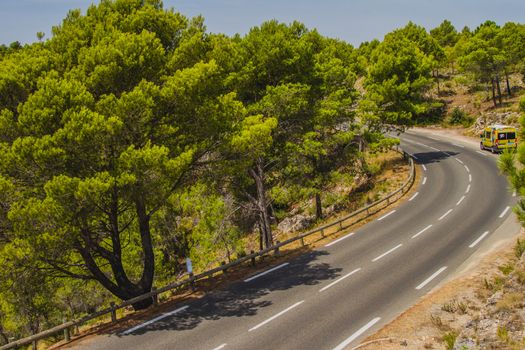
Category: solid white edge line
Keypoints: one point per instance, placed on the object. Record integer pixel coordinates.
(424, 180)
(153, 320)
(469, 177)
(459, 160)
(428, 280)
(461, 200)
(434, 138)
(479, 239)
(467, 169)
(339, 280)
(504, 212)
(340, 239)
(468, 189)
(443, 216)
(420, 232)
(458, 145)
(385, 254)
(357, 334)
(220, 347)
(265, 272)
(424, 167)
(414, 196)
(386, 215)
(275, 316)
(434, 148)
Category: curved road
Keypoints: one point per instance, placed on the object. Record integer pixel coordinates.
(333, 297)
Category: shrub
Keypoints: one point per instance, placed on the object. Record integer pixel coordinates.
(522, 103)
(450, 339)
(519, 248)
(459, 117)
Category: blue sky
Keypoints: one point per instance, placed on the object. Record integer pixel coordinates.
(352, 20)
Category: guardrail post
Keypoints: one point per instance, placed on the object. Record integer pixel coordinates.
(67, 335)
(253, 257)
(340, 225)
(276, 251)
(113, 312)
(322, 233)
(155, 297)
(34, 345)
(302, 241)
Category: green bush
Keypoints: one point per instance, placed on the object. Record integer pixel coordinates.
(522, 103)
(459, 117)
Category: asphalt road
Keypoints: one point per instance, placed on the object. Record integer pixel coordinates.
(334, 296)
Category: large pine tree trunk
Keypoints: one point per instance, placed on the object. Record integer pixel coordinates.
(499, 90)
(509, 91)
(257, 173)
(494, 93)
(318, 207)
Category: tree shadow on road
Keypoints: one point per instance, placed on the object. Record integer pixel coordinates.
(247, 298)
(433, 157)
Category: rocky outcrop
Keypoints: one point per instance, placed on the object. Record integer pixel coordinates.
(489, 118)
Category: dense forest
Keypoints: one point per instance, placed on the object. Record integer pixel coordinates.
(132, 139)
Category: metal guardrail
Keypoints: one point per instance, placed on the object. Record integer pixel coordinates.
(65, 327)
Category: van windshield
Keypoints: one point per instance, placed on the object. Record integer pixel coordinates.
(506, 135)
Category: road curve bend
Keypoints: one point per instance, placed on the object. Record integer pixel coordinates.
(334, 296)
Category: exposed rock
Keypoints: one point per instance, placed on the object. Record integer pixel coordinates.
(295, 223)
(489, 118)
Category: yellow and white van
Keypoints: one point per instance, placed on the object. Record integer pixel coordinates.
(498, 138)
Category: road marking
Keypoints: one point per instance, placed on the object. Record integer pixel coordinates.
(467, 169)
(443, 216)
(357, 334)
(424, 167)
(478, 240)
(147, 323)
(458, 145)
(434, 138)
(414, 196)
(428, 280)
(434, 148)
(416, 158)
(504, 212)
(469, 177)
(461, 200)
(340, 239)
(446, 153)
(265, 272)
(386, 215)
(483, 154)
(339, 280)
(468, 189)
(275, 316)
(424, 180)
(385, 254)
(459, 160)
(420, 232)
(514, 194)
(220, 347)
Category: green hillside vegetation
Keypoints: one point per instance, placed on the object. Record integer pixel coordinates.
(132, 138)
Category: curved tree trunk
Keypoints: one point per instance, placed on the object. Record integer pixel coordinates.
(257, 173)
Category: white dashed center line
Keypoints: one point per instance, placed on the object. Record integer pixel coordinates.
(428, 280)
(468, 189)
(460, 200)
(504, 212)
(459, 160)
(340, 239)
(357, 334)
(424, 167)
(469, 177)
(414, 196)
(265, 272)
(386, 215)
(420, 232)
(339, 280)
(424, 180)
(467, 169)
(385, 254)
(275, 316)
(220, 347)
(444, 215)
(163, 316)
(478, 240)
